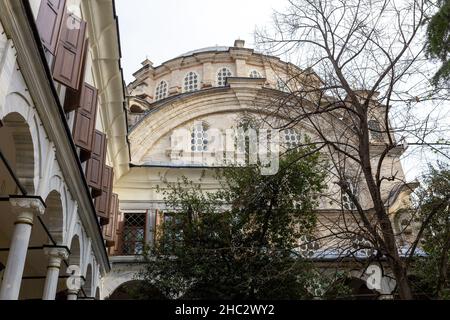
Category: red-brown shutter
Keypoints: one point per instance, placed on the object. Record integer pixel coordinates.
(85, 118)
(118, 245)
(69, 55)
(48, 22)
(74, 98)
(94, 167)
(102, 203)
(110, 229)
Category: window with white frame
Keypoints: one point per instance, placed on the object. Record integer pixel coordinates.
(161, 90)
(199, 137)
(255, 74)
(347, 202)
(191, 82)
(222, 76)
(291, 138)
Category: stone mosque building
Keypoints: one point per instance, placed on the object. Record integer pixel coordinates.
(81, 155)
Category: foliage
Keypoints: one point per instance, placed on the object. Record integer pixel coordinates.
(432, 271)
(438, 44)
(239, 242)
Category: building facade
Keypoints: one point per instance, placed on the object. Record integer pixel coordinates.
(200, 92)
(63, 142)
(83, 157)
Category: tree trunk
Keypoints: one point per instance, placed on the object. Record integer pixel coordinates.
(399, 269)
(400, 273)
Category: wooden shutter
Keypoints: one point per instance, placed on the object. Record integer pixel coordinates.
(110, 229)
(84, 124)
(118, 243)
(48, 22)
(74, 98)
(102, 203)
(69, 54)
(94, 167)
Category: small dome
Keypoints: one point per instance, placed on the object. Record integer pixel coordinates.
(207, 49)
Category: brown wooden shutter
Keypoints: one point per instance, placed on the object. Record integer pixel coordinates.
(49, 19)
(118, 245)
(102, 203)
(84, 124)
(110, 229)
(94, 167)
(69, 55)
(74, 98)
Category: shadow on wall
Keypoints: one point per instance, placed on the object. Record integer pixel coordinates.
(136, 290)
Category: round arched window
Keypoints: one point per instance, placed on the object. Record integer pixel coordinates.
(222, 76)
(282, 85)
(255, 74)
(191, 82)
(199, 138)
(161, 90)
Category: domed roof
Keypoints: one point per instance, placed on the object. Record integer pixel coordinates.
(207, 49)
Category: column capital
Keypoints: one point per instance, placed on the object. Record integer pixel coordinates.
(34, 204)
(57, 252)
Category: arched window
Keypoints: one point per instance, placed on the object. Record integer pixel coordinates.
(191, 82)
(282, 86)
(291, 138)
(255, 74)
(161, 90)
(199, 137)
(347, 202)
(222, 76)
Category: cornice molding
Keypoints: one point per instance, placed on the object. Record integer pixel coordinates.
(104, 38)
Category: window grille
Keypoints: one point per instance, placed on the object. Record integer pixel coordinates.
(191, 82)
(134, 233)
(222, 76)
(161, 90)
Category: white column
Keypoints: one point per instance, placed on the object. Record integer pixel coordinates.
(74, 282)
(72, 294)
(55, 257)
(25, 208)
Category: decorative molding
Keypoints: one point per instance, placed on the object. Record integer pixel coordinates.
(33, 204)
(56, 251)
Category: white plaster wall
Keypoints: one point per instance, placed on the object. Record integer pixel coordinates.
(47, 176)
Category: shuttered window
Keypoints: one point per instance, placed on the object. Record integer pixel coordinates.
(110, 229)
(84, 124)
(49, 20)
(74, 98)
(102, 203)
(70, 51)
(94, 167)
(118, 243)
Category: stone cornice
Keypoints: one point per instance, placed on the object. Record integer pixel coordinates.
(15, 17)
(249, 55)
(104, 39)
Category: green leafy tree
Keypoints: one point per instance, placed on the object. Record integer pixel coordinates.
(240, 242)
(432, 270)
(438, 44)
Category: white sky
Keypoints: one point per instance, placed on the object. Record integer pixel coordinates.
(164, 29)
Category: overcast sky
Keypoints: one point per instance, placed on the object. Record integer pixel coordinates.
(164, 29)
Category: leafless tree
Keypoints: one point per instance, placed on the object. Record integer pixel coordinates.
(360, 83)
